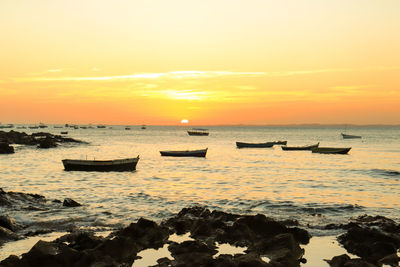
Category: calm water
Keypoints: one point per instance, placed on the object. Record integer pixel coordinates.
(313, 188)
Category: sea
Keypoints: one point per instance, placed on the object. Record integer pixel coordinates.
(315, 189)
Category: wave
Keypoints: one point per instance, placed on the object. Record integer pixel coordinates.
(385, 172)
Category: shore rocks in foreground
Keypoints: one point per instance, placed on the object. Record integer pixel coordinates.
(24, 203)
(262, 236)
(41, 139)
(375, 239)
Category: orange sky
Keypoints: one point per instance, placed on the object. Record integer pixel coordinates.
(211, 62)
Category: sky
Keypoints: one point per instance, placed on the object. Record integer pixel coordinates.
(212, 62)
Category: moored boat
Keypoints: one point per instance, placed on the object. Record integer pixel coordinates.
(198, 131)
(255, 145)
(185, 153)
(128, 164)
(280, 143)
(331, 150)
(350, 136)
(308, 147)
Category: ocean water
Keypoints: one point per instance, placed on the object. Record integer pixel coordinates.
(316, 189)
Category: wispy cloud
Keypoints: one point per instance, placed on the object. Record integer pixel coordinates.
(55, 70)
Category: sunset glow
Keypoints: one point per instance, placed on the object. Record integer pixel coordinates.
(223, 62)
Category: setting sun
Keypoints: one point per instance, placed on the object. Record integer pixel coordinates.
(184, 121)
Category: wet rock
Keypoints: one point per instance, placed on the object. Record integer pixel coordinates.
(69, 202)
(5, 148)
(195, 253)
(41, 139)
(47, 142)
(345, 261)
(10, 223)
(373, 238)
(81, 240)
(7, 235)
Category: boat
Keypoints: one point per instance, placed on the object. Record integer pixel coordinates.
(349, 136)
(42, 125)
(101, 126)
(331, 150)
(143, 127)
(258, 145)
(127, 128)
(185, 153)
(64, 132)
(198, 131)
(118, 165)
(33, 127)
(308, 147)
(280, 143)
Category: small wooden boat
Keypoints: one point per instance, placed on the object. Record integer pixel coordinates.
(66, 132)
(198, 131)
(255, 145)
(309, 147)
(185, 153)
(331, 150)
(280, 143)
(349, 136)
(117, 165)
(127, 128)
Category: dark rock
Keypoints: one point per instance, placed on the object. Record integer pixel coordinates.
(81, 240)
(8, 222)
(371, 237)
(47, 142)
(5, 148)
(338, 261)
(345, 261)
(7, 235)
(69, 202)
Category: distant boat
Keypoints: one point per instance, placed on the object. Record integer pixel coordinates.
(58, 127)
(7, 126)
(309, 147)
(42, 125)
(143, 127)
(64, 132)
(119, 165)
(101, 126)
(185, 153)
(349, 136)
(198, 131)
(127, 128)
(83, 127)
(255, 145)
(331, 150)
(280, 143)
(33, 127)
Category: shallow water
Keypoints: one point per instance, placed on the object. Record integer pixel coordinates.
(315, 188)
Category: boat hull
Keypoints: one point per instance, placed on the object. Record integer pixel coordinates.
(197, 133)
(254, 145)
(101, 165)
(331, 150)
(348, 136)
(184, 153)
(293, 148)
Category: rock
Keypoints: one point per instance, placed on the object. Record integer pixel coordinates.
(8, 222)
(47, 142)
(5, 148)
(373, 238)
(69, 202)
(345, 261)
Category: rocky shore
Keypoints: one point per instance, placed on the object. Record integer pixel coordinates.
(41, 140)
(267, 242)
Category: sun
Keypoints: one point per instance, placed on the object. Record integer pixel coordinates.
(184, 121)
